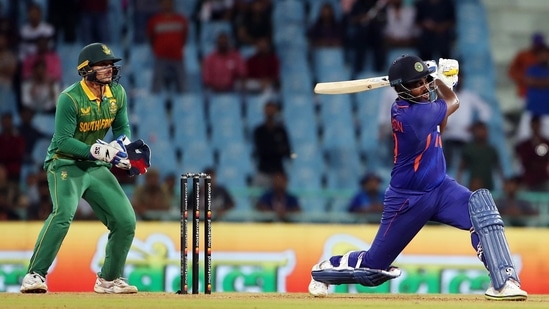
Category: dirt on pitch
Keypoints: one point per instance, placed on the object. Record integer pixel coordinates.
(261, 300)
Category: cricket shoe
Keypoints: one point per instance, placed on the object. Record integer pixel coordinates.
(510, 291)
(317, 288)
(117, 286)
(34, 283)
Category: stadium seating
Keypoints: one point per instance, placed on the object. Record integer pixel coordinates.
(254, 110)
(44, 123)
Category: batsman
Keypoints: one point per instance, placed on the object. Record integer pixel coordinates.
(78, 165)
(420, 190)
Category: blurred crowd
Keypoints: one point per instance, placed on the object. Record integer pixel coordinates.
(244, 58)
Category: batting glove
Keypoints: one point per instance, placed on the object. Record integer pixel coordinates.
(448, 71)
(118, 147)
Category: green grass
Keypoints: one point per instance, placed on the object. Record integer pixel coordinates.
(261, 300)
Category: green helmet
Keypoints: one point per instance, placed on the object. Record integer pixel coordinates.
(95, 53)
(92, 54)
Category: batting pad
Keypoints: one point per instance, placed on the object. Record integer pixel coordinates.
(362, 276)
(489, 226)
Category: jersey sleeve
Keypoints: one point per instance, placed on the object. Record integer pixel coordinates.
(65, 126)
(121, 123)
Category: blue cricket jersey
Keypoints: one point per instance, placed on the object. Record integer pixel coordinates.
(419, 163)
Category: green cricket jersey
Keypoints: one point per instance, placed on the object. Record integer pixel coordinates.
(81, 118)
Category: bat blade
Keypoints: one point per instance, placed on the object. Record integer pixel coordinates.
(351, 86)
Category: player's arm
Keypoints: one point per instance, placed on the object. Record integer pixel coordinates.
(451, 99)
(65, 126)
(447, 77)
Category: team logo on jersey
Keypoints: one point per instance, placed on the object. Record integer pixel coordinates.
(64, 175)
(85, 111)
(112, 106)
(106, 50)
(418, 66)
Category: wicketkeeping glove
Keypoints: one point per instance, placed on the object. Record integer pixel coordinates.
(139, 155)
(448, 70)
(118, 147)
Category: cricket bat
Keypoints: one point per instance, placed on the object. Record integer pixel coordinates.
(351, 86)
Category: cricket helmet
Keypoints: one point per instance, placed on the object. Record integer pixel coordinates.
(407, 69)
(92, 54)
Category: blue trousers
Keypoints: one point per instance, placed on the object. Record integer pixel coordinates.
(405, 213)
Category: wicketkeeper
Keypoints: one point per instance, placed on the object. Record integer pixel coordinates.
(78, 165)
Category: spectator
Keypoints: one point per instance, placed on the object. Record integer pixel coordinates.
(12, 159)
(40, 209)
(143, 10)
(32, 30)
(239, 12)
(458, 128)
(514, 209)
(367, 19)
(8, 27)
(400, 30)
(44, 53)
(31, 194)
(326, 31)
(171, 187)
(222, 201)
(263, 69)
(167, 32)
(537, 91)
(256, 23)
(30, 133)
(385, 130)
(271, 146)
(369, 199)
(215, 10)
(533, 155)
(278, 200)
(8, 70)
(150, 196)
(223, 69)
(94, 21)
(39, 92)
(65, 25)
(7, 211)
(479, 159)
(524, 59)
(8, 197)
(436, 20)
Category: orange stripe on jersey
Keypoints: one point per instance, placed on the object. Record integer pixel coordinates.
(418, 158)
(438, 141)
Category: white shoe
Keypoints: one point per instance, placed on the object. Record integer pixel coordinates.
(317, 288)
(34, 283)
(117, 286)
(510, 291)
